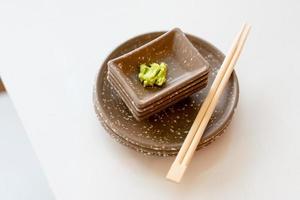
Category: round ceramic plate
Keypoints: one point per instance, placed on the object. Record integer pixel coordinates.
(163, 133)
(163, 153)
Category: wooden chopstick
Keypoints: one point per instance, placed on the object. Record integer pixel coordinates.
(190, 144)
(208, 99)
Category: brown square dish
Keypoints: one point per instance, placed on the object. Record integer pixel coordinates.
(181, 92)
(185, 65)
(143, 114)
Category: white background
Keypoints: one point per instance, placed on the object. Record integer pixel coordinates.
(51, 50)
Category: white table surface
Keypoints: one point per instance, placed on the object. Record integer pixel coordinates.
(51, 50)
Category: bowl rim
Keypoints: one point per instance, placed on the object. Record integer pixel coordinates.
(184, 80)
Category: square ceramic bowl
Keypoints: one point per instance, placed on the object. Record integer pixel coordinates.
(185, 65)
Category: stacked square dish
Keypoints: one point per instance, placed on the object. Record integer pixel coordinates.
(187, 73)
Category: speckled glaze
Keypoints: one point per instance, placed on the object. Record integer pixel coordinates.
(164, 103)
(163, 133)
(182, 92)
(162, 153)
(185, 65)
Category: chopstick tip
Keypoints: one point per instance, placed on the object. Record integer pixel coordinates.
(247, 25)
(176, 172)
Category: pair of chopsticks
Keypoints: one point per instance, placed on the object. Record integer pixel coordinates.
(190, 143)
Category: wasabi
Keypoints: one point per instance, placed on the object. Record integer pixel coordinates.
(155, 74)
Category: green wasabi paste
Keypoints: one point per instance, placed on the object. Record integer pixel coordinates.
(155, 74)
